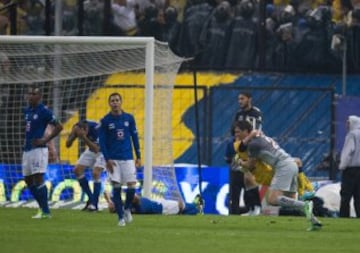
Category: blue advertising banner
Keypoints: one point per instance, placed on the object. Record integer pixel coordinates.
(63, 185)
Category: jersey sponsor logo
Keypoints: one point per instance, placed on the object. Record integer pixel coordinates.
(120, 134)
(111, 126)
(126, 123)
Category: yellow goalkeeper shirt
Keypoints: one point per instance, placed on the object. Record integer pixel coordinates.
(263, 172)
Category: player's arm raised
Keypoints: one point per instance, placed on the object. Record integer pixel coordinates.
(72, 136)
(81, 133)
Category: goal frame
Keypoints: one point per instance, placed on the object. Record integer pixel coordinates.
(149, 44)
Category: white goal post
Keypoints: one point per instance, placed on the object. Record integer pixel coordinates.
(60, 61)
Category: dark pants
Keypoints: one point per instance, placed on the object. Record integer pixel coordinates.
(236, 185)
(350, 187)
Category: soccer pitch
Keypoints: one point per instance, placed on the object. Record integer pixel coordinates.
(75, 231)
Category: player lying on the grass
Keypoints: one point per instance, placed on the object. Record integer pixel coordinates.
(143, 205)
(91, 158)
(283, 187)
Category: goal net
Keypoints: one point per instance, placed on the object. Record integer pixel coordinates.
(76, 75)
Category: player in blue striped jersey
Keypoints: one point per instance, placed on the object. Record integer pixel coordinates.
(118, 137)
(91, 158)
(35, 155)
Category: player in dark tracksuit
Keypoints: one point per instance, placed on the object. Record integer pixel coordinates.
(238, 180)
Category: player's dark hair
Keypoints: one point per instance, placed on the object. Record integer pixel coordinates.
(243, 125)
(115, 94)
(83, 124)
(246, 93)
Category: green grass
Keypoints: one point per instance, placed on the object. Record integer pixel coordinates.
(75, 231)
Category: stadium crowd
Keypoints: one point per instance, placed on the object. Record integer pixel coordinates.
(296, 35)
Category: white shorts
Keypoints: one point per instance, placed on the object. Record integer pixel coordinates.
(100, 161)
(92, 160)
(35, 161)
(124, 172)
(87, 159)
(170, 207)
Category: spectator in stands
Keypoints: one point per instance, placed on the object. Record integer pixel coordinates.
(124, 17)
(172, 29)
(93, 17)
(313, 52)
(152, 23)
(196, 15)
(350, 167)
(35, 18)
(69, 18)
(284, 34)
(243, 39)
(214, 37)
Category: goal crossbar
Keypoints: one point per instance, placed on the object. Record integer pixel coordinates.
(149, 45)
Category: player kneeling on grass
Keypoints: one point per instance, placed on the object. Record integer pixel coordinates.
(283, 187)
(143, 205)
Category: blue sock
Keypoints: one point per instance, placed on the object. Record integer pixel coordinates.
(33, 190)
(118, 202)
(84, 184)
(130, 192)
(96, 193)
(42, 193)
(190, 209)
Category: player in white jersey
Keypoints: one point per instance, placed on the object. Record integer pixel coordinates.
(283, 187)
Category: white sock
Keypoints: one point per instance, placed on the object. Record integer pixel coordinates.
(290, 202)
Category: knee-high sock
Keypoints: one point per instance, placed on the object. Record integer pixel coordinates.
(130, 192)
(42, 193)
(118, 202)
(290, 202)
(84, 184)
(96, 193)
(33, 190)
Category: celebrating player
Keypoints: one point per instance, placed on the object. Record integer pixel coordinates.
(90, 158)
(118, 136)
(283, 186)
(35, 155)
